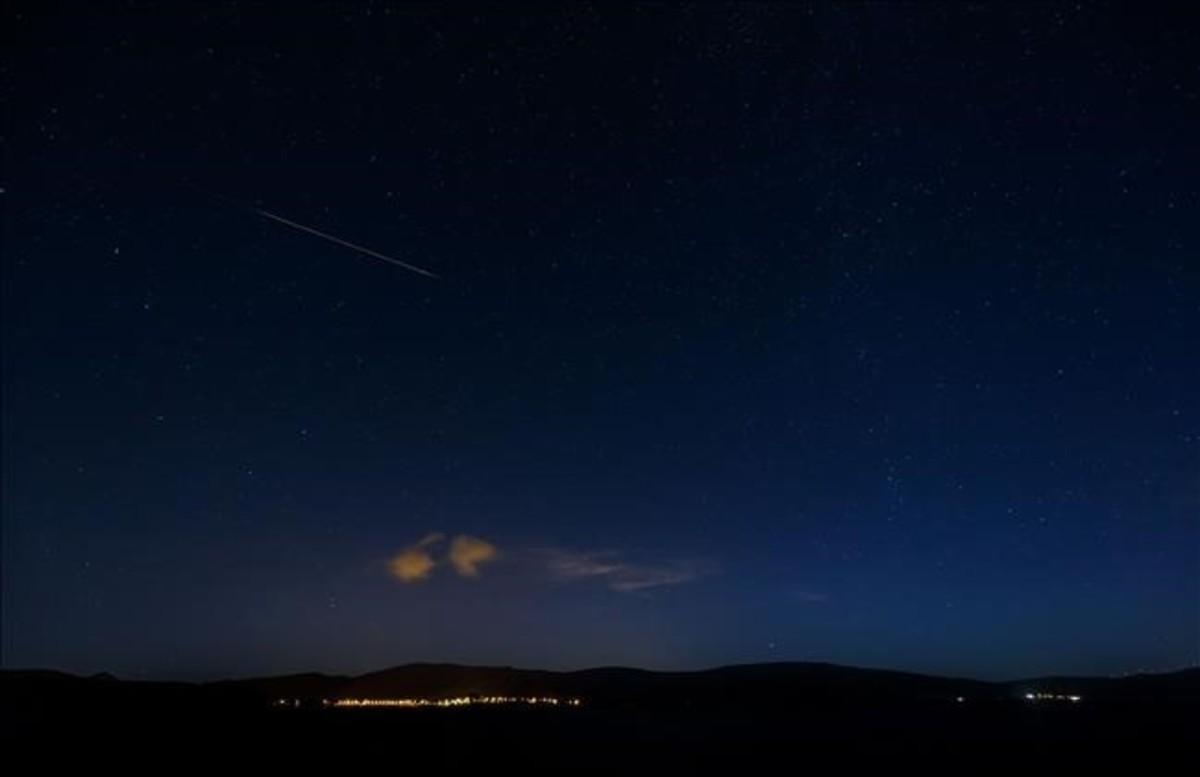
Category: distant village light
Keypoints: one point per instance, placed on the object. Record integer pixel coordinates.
(458, 701)
(1042, 696)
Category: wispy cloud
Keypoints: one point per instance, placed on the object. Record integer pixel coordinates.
(640, 578)
(811, 597)
(616, 573)
(566, 565)
(468, 553)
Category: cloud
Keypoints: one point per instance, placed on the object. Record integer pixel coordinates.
(811, 597)
(468, 553)
(432, 538)
(618, 574)
(572, 566)
(638, 578)
(416, 562)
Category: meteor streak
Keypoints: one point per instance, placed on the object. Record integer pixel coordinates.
(339, 241)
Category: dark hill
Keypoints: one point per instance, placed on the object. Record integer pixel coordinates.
(1183, 685)
(778, 684)
(309, 685)
(750, 684)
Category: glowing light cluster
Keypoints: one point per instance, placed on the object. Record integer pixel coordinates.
(457, 701)
(1039, 696)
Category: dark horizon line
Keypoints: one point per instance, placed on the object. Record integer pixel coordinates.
(610, 667)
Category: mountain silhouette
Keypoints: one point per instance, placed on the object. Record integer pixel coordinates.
(773, 684)
(629, 719)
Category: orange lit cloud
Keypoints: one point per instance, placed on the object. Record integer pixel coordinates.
(468, 553)
(416, 562)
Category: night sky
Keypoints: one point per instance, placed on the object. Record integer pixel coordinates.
(856, 333)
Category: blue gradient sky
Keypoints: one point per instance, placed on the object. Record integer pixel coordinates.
(857, 333)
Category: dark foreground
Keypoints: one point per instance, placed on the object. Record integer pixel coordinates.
(138, 726)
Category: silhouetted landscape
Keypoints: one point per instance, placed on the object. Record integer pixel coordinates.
(831, 712)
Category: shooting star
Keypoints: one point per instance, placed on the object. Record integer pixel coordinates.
(339, 241)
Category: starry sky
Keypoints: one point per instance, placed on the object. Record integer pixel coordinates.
(862, 333)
